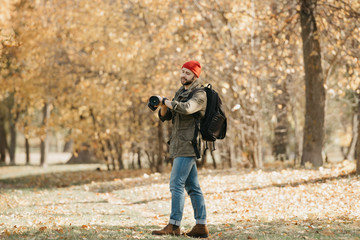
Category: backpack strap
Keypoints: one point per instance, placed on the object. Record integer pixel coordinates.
(195, 143)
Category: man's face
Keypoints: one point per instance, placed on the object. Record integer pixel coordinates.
(187, 76)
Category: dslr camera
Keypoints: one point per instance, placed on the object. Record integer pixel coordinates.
(153, 103)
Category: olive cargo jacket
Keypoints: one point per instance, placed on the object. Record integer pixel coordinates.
(183, 121)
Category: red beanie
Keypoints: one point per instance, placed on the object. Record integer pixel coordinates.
(193, 66)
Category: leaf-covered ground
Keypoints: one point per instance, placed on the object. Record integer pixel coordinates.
(241, 204)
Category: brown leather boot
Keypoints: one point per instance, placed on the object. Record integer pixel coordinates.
(170, 229)
(198, 231)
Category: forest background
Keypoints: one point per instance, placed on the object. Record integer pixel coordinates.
(77, 75)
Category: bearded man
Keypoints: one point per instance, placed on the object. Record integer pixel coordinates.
(184, 175)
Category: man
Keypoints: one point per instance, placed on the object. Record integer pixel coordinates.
(184, 172)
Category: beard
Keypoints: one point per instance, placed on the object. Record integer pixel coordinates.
(187, 82)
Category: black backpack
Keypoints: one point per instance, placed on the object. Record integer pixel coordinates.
(214, 123)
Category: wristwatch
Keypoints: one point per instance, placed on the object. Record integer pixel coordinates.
(163, 100)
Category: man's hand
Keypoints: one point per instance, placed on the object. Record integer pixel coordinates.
(160, 99)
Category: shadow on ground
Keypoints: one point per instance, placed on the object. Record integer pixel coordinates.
(66, 179)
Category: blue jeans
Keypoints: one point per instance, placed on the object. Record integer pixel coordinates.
(184, 175)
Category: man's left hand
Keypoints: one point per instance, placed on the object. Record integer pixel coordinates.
(160, 99)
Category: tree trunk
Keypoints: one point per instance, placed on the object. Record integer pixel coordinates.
(103, 150)
(12, 149)
(132, 159)
(281, 130)
(314, 83)
(68, 147)
(139, 157)
(159, 164)
(258, 155)
(44, 145)
(297, 139)
(354, 136)
(27, 151)
(27, 147)
(3, 141)
(212, 156)
(119, 151)
(12, 127)
(153, 159)
(203, 155)
(358, 137)
(120, 161)
(110, 149)
(105, 156)
(203, 158)
(231, 154)
(150, 159)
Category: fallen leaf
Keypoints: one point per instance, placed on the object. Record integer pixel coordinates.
(251, 238)
(7, 233)
(42, 229)
(327, 232)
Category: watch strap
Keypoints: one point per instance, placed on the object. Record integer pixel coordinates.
(163, 101)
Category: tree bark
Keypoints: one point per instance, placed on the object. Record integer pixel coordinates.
(13, 135)
(3, 141)
(119, 151)
(203, 160)
(12, 127)
(68, 147)
(314, 83)
(103, 151)
(231, 154)
(358, 136)
(150, 159)
(201, 163)
(110, 150)
(159, 164)
(120, 161)
(258, 155)
(105, 156)
(281, 130)
(139, 158)
(44, 145)
(27, 151)
(354, 136)
(212, 156)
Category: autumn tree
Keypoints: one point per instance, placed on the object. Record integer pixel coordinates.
(358, 137)
(314, 81)
(8, 44)
(89, 68)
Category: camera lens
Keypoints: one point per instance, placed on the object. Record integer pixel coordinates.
(153, 103)
(154, 100)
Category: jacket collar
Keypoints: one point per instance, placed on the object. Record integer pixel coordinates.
(194, 85)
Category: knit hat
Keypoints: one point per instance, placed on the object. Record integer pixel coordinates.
(193, 66)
